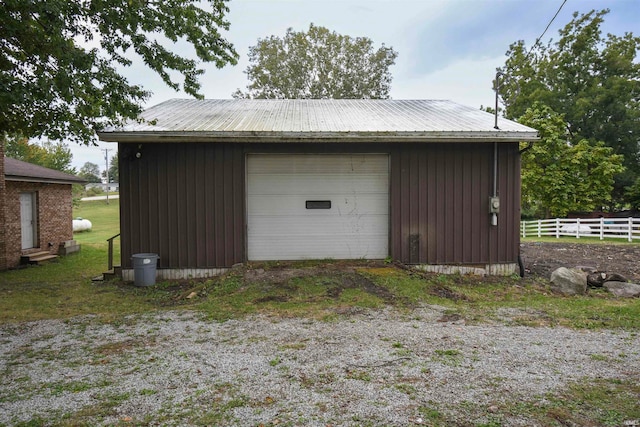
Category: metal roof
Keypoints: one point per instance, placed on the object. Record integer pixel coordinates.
(17, 170)
(283, 120)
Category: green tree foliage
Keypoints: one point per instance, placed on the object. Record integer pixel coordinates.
(114, 175)
(90, 172)
(592, 80)
(48, 154)
(559, 176)
(59, 59)
(633, 195)
(318, 64)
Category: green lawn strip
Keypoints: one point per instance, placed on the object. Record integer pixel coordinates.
(63, 289)
(30, 302)
(527, 301)
(582, 239)
(48, 292)
(539, 307)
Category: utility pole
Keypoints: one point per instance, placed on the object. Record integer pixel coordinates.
(106, 159)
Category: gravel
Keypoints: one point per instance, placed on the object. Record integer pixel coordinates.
(373, 367)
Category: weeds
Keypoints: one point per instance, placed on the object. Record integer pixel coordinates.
(448, 357)
(359, 375)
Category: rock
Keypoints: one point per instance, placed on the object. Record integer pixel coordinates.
(623, 289)
(615, 277)
(595, 279)
(569, 281)
(587, 268)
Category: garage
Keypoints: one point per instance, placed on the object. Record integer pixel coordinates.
(316, 206)
(210, 184)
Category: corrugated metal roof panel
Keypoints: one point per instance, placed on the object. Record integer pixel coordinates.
(318, 118)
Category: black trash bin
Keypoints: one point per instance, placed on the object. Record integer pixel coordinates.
(144, 269)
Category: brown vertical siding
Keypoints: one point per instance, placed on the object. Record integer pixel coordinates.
(184, 202)
(440, 203)
(510, 159)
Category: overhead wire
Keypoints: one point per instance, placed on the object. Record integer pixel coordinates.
(500, 73)
(545, 30)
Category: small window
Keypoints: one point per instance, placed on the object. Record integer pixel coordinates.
(318, 204)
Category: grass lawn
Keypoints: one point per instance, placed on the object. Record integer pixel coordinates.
(63, 288)
(570, 239)
(104, 217)
(320, 289)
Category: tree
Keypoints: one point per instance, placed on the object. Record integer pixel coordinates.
(59, 59)
(318, 64)
(592, 80)
(90, 172)
(114, 175)
(559, 176)
(48, 154)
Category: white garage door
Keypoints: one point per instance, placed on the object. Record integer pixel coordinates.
(302, 206)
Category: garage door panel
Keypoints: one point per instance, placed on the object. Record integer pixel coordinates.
(316, 183)
(320, 247)
(296, 205)
(318, 224)
(329, 164)
(281, 227)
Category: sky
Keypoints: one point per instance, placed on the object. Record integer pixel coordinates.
(447, 49)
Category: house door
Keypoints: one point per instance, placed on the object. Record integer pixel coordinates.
(28, 219)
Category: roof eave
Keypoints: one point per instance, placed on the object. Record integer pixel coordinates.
(17, 178)
(287, 137)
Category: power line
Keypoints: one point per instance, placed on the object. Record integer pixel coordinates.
(499, 73)
(545, 30)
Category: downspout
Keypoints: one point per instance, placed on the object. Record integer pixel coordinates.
(494, 201)
(527, 148)
(520, 262)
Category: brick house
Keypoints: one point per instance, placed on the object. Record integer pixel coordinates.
(36, 210)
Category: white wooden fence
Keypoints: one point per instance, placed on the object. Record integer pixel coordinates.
(610, 228)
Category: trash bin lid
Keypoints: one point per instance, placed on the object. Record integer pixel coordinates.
(145, 256)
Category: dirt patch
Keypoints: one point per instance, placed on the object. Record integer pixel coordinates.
(273, 298)
(541, 258)
(445, 292)
(338, 276)
(357, 281)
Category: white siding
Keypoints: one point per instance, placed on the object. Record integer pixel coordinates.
(280, 226)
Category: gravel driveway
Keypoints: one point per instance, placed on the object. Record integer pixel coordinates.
(371, 368)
